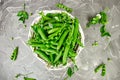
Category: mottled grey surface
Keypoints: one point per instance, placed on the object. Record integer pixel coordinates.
(88, 59)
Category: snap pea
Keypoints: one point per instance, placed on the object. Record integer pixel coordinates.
(98, 68)
(55, 33)
(53, 51)
(69, 39)
(14, 54)
(38, 45)
(65, 54)
(103, 70)
(59, 55)
(62, 39)
(76, 25)
(40, 31)
(42, 55)
(26, 78)
(53, 30)
(62, 6)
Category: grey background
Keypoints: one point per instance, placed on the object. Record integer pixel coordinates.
(87, 60)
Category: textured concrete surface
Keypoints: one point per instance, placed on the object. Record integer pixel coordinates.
(88, 59)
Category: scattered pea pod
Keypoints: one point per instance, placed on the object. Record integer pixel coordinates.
(14, 54)
(59, 5)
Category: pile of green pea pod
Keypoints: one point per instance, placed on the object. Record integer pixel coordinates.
(56, 38)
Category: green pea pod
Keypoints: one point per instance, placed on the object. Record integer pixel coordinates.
(40, 31)
(32, 41)
(62, 6)
(103, 70)
(69, 39)
(38, 45)
(53, 30)
(42, 55)
(103, 19)
(26, 78)
(53, 51)
(98, 68)
(14, 54)
(65, 54)
(51, 15)
(59, 55)
(76, 29)
(55, 33)
(62, 38)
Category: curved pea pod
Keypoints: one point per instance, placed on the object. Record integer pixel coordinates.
(53, 30)
(103, 19)
(98, 68)
(59, 55)
(76, 30)
(40, 31)
(43, 55)
(62, 38)
(53, 51)
(14, 54)
(103, 70)
(65, 54)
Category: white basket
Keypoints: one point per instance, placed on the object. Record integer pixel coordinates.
(78, 50)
